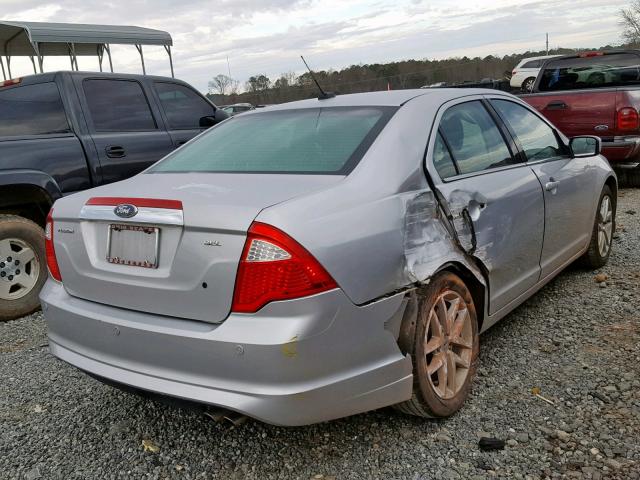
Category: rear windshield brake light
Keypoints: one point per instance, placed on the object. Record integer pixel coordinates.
(591, 54)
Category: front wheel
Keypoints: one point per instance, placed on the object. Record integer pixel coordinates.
(604, 227)
(442, 340)
(23, 266)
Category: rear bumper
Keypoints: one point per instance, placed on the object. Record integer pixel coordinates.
(622, 149)
(294, 363)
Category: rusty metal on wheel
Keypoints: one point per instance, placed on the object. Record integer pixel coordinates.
(448, 344)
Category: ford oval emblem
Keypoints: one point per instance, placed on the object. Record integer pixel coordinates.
(125, 210)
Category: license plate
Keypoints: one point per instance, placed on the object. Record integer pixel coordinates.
(133, 245)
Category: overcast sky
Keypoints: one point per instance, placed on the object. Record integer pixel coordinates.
(268, 36)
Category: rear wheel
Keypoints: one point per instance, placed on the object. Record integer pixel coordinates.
(602, 235)
(527, 85)
(442, 340)
(23, 267)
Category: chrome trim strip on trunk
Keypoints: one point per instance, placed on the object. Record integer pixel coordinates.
(156, 216)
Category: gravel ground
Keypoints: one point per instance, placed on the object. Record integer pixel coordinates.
(577, 340)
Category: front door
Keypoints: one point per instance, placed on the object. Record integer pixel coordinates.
(495, 199)
(568, 184)
(126, 134)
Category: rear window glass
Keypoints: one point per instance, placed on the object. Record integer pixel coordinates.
(613, 70)
(318, 140)
(32, 110)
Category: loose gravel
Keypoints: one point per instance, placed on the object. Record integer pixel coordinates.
(576, 344)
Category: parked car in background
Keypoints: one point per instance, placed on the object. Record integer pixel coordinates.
(596, 93)
(68, 131)
(282, 267)
(525, 73)
(237, 108)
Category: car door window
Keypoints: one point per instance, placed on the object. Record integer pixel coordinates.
(184, 107)
(538, 139)
(118, 105)
(474, 139)
(442, 159)
(532, 64)
(32, 110)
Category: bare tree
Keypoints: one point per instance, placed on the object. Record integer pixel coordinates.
(630, 21)
(221, 84)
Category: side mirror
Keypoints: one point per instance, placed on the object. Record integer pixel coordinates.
(211, 120)
(585, 146)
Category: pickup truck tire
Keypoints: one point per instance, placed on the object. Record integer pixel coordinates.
(604, 227)
(629, 177)
(23, 266)
(442, 339)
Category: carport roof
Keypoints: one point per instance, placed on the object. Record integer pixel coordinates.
(19, 38)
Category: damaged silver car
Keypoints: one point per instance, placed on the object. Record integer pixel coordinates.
(325, 257)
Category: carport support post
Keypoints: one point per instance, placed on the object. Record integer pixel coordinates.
(100, 53)
(9, 65)
(108, 49)
(168, 49)
(4, 74)
(36, 49)
(144, 70)
(33, 62)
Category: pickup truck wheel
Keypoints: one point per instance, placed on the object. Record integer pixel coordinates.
(527, 85)
(442, 340)
(603, 229)
(23, 266)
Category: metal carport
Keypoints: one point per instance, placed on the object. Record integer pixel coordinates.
(39, 39)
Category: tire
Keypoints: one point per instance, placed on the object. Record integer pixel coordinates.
(629, 177)
(596, 255)
(432, 396)
(527, 85)
(21, 241)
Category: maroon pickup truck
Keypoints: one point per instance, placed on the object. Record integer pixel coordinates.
(595, 93)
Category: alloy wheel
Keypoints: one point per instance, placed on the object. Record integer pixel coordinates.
(19, 269)
(605, 226)
(448, 344)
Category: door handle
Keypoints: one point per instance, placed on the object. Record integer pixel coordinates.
(559, 105)
(551, 186)
(115, 151)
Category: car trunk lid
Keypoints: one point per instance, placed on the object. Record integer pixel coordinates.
(178, 254)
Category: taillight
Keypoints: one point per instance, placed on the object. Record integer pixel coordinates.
(275, 267)
(514, 72)
(8, 83)
(52, 261)
(628, 119)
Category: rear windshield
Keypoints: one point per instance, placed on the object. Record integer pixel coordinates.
(600, 71)
(318, 140)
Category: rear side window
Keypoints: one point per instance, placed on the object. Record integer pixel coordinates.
(474, 139)
(442, 159)
(32, 110)
(118, 105)
(538, 140)
(613, 70)
(314, 140)
(184, 107)
(532, 64)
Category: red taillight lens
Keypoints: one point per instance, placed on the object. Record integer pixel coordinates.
(628, 119)
(52, 261)
(275, 267)
(514, 72)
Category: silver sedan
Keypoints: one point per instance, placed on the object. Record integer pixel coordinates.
(325, 257)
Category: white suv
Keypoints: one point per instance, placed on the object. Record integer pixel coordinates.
(525, 73)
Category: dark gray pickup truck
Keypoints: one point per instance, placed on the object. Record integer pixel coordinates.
(68, 131)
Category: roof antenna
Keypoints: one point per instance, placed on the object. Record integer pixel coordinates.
(323, 95)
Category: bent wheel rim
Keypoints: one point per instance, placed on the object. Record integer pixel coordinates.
(605, 226)
(448, 344)
(19, 269)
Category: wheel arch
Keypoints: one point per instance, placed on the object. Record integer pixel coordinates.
(26, 199)
(478, 287)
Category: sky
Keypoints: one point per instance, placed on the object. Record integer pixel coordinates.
(268, 36)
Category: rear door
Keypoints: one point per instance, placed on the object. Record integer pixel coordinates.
(127, 134)
(495, 199)
(568, 184)
(182, 108)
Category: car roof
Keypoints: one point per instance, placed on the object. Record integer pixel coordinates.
(49, 76)
(392, 98)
